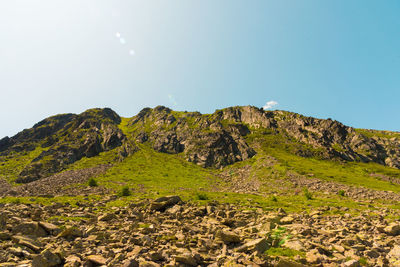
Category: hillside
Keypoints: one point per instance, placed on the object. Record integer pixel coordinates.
(251, 187)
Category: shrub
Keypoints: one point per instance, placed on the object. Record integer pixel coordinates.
(92, 182)
(274, 199)
(307, 194)
(341, 193)
(279, 236)
(125, 192)
(201, 196)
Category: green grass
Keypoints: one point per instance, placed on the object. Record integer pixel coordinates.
(376, 133)
(154, 172)
(202, 196)
(108, 157)
(12, 164)
(307, 194)
(285, 252)
(125, 192)
(350, 173)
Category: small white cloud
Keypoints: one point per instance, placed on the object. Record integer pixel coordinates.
(118, 35)
(122, 41)
(270, 104)
(132, 52)
(172, 100)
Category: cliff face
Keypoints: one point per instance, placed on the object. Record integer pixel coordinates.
(202, 141)
(220, 138)
(212, 140)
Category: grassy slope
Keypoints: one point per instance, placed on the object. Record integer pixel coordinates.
(12, 164)
(149, 174)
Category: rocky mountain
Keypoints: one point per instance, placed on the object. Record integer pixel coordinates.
(213, 140)
(239, 187)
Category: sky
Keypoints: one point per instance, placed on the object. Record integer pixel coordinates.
(327, 59)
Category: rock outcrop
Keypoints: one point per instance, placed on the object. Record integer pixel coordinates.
(335, 139)
(203, 141)
(64, 140)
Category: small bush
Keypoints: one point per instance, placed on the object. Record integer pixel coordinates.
(363, 261)
(125, 192)
(341, 193)
(274, 199)
(307, 194)
(92, 182)
(201, 196)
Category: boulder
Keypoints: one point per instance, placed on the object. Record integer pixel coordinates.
(46, 259)
(352, 263)
(30, 228)
(130, 263)
(27, 242)
(392, 229)
(288, 263)
(106, 217)
(4, 236)
(186, 259)
(287, 220)
(71, 232)
(258, 245)
(313, 256)
(163, 203)
(72, 261)
(96, 260)
(228, 236)
(50, 228)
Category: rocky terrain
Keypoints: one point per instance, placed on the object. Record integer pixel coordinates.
(239, 187)
(170, 232)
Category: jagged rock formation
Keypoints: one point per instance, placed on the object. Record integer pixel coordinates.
(220, 139)
(203, 142)
(65, 139)
(336, 139)
(210, 140)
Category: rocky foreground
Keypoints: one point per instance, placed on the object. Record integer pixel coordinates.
(169, 232)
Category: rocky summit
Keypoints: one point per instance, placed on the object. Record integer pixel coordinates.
(239, 187)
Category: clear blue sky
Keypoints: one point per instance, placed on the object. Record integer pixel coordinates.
(338, 59)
